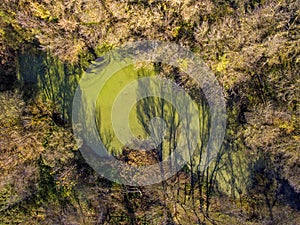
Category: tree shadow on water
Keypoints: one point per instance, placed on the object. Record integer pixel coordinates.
(44, 76)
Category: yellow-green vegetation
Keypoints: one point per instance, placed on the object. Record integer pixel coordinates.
(106, 100)
(252, 46)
